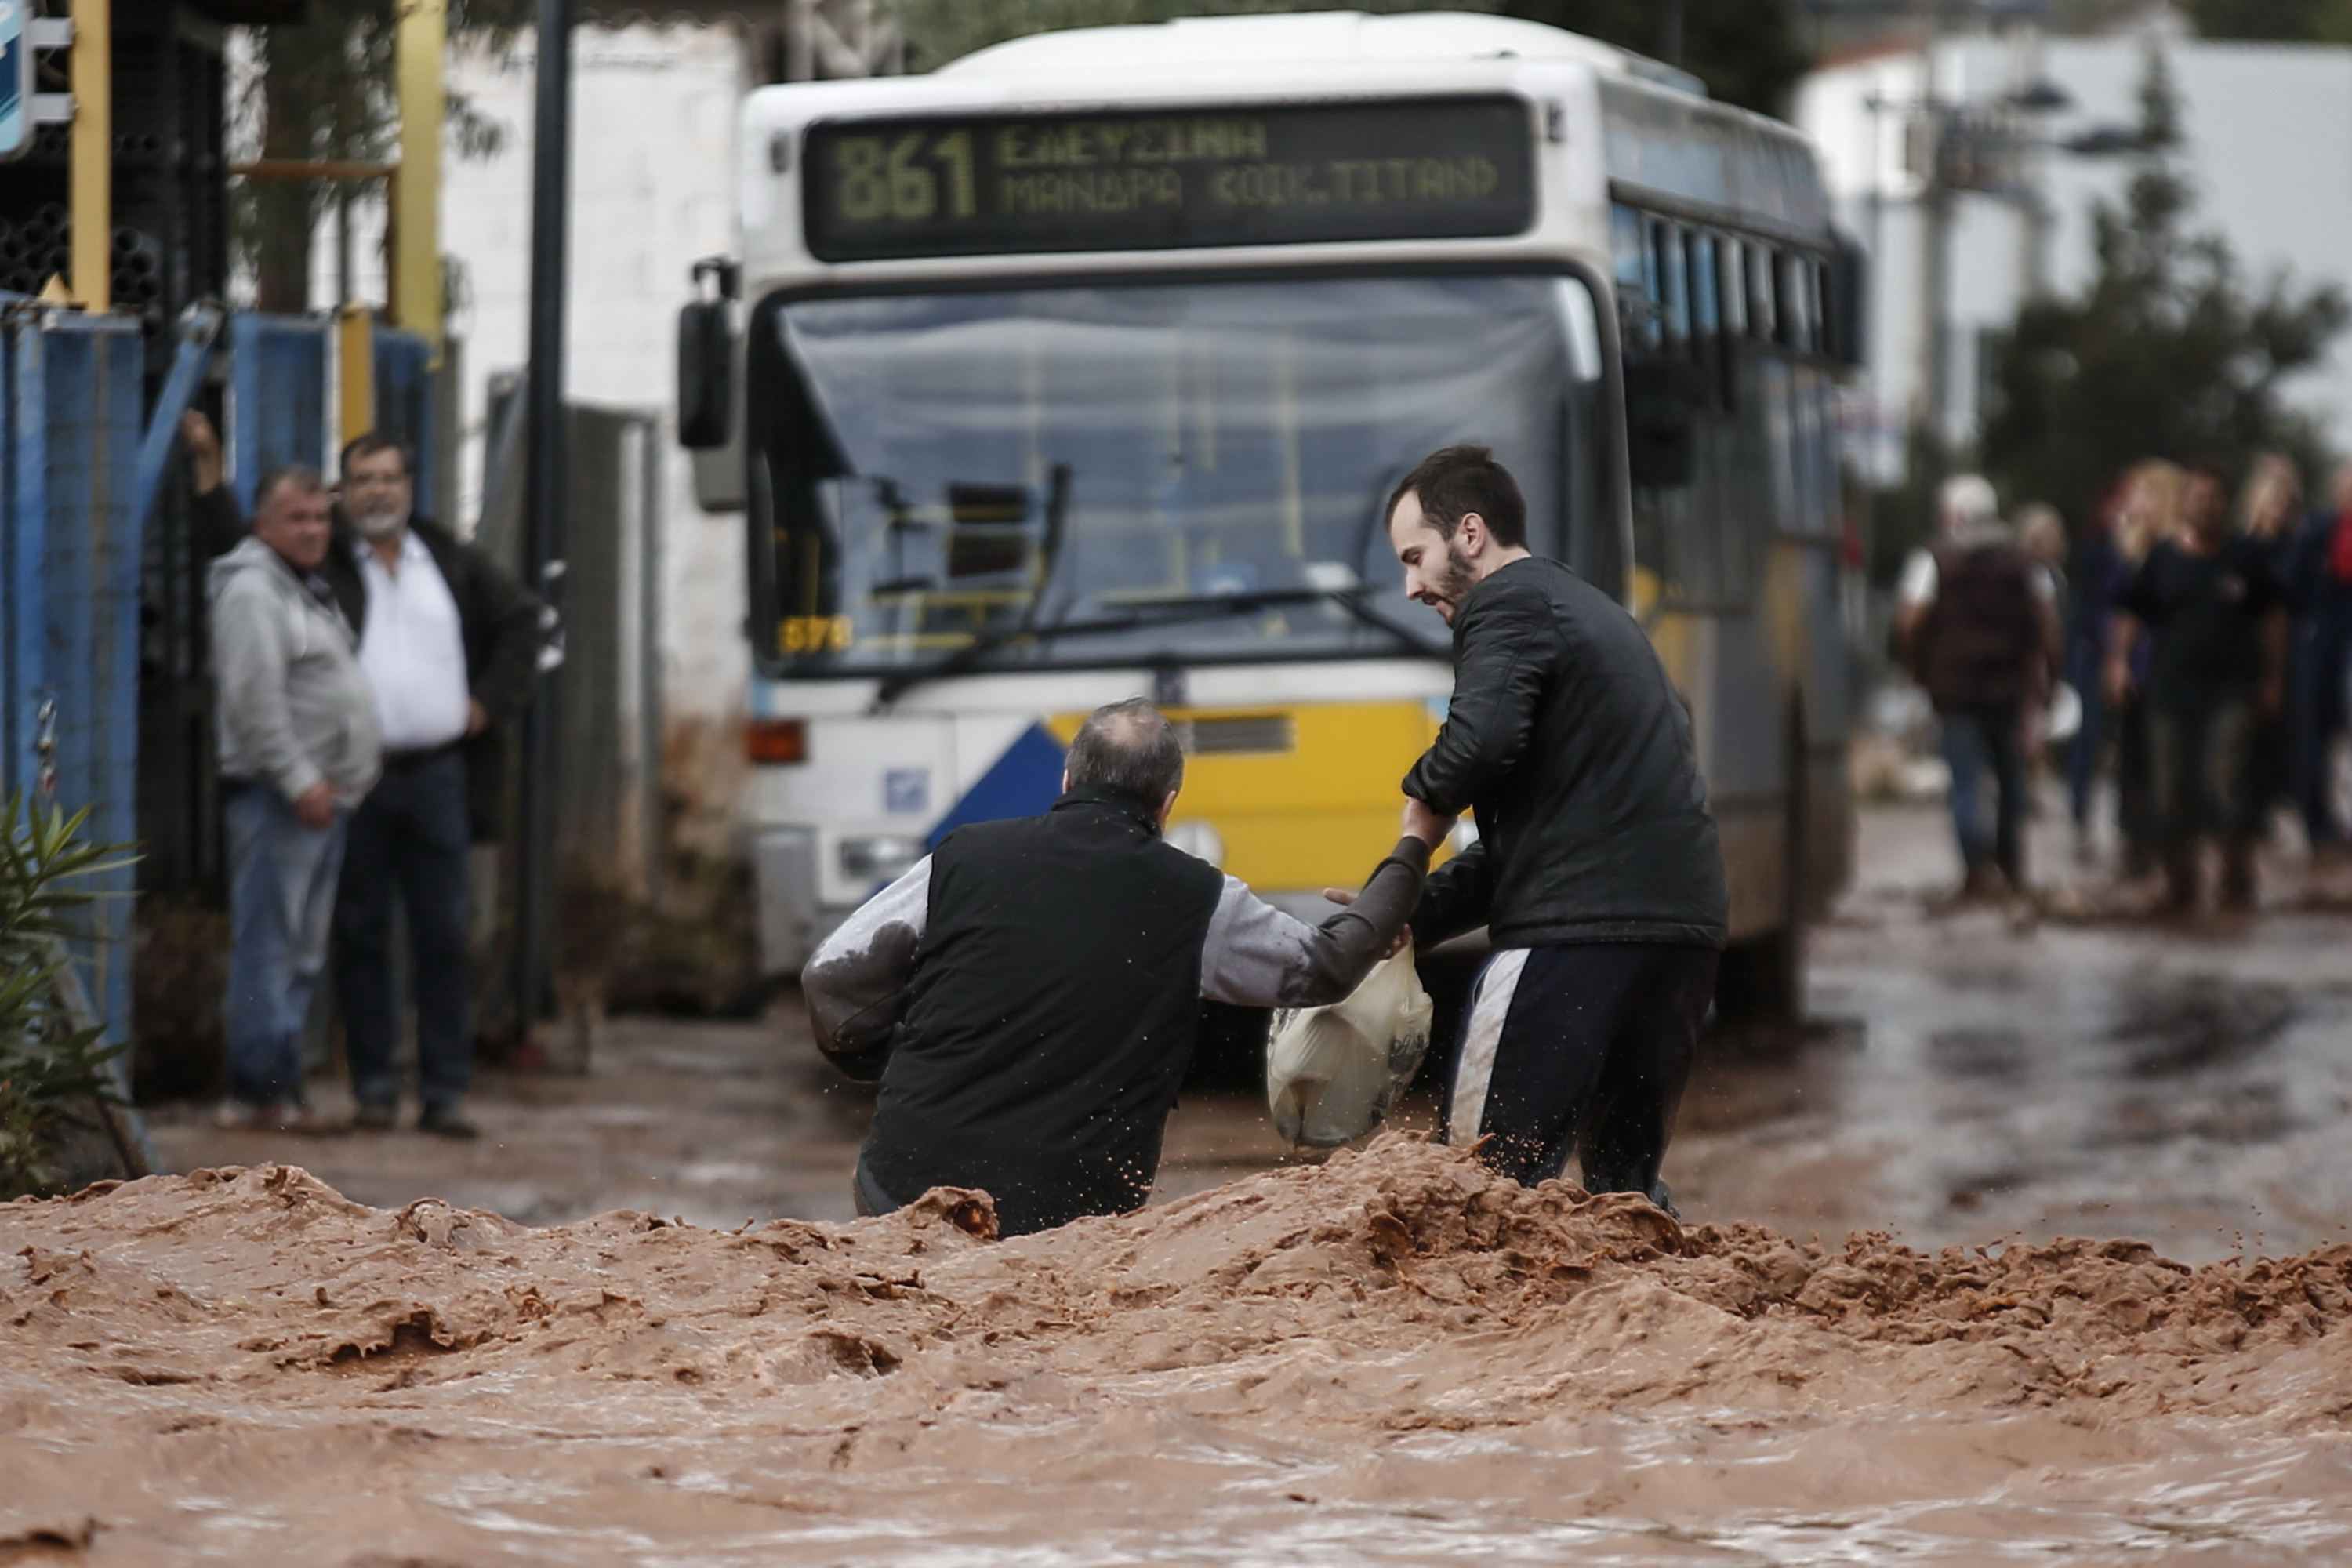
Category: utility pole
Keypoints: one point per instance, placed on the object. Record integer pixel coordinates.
(1935, 239)
(543, 504)
(90, 155)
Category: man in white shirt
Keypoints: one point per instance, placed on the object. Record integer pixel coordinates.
(450, 642)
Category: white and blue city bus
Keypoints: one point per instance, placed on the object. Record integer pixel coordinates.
(1083, 367)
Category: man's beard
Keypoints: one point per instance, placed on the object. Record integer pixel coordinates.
(1454, 582)
(379, 524)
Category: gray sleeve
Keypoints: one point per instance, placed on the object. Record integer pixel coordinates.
(1257, 956)
(856, 982)
(250, 660)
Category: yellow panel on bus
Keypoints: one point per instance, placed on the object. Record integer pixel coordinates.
(1301, 796)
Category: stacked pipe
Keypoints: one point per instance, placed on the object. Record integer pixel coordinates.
(138, 272)
(36, 249)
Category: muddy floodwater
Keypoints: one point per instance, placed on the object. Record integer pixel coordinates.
(2032, 1247)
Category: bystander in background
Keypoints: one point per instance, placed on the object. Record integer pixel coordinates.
(2041, 532)
(2149, 512)
(1979, 623)
(2094, 571)
(2270, 513)
(2319, 586)
(2216, 619)
(298, 748)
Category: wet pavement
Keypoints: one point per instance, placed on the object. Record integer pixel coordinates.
(1969, 1075)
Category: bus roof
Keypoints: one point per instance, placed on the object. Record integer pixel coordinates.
(1314, 36)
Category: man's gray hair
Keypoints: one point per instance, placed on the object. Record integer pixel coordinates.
(301, 477)
(1129, 747)
(1966, 500)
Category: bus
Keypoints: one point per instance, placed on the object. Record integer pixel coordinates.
(1083, 367)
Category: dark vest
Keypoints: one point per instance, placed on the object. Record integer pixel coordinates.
(1055, 997)
(1981, 638)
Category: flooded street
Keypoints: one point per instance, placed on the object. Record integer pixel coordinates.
(1391, 1356)
(1963, 1080)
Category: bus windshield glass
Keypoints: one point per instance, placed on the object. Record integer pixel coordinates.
(1175, 473)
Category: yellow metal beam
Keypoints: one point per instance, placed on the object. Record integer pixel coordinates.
(90, 178)
(355, 365)
(416, 193)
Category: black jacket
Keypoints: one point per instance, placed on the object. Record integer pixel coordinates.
(1030, 992)
(498, 617)
(1567, 741)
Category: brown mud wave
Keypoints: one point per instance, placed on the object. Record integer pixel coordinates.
(1391, 1357)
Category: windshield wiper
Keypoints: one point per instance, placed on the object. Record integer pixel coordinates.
(1148, 613)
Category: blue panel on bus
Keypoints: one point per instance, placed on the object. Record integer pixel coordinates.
(1025, 780)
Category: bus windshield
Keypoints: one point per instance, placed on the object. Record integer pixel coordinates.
(1173, 473)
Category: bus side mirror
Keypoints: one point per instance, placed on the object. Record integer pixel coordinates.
(1660, 423)
(705, 374)
(1847, 309)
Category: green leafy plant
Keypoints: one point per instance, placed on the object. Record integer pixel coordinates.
(53, 1064)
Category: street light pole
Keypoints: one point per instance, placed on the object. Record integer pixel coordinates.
(543, 504)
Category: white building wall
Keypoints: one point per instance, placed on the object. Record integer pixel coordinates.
(653, 189)
(2267, 144)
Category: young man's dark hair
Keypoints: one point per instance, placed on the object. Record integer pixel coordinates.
(1454, 481)
(1129, 747)
(368, 443)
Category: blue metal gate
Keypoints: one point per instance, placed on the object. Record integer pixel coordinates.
(69, 558)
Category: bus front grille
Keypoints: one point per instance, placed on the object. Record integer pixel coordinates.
(1243, 733)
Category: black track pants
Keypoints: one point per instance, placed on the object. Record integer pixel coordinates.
(1584, 1046)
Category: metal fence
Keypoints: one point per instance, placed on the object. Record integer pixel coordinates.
(70, 592)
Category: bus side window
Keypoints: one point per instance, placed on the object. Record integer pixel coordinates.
(1637, 276)
(1817, 282)
(1706, 315)
(1760, 294)
(1795, 318)
(1731, 258)
(1673, 291)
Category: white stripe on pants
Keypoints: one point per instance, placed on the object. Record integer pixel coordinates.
(1490, 1005)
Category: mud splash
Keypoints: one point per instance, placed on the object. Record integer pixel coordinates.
(1391, 1357)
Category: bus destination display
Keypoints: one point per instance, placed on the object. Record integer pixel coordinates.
(1289, 175)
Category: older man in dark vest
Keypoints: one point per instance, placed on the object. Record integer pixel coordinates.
(1028, 992)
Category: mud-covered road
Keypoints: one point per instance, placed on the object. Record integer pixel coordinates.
(1390, 1358)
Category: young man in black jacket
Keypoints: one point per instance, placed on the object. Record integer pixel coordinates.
(1028, 992)
(1596, 870)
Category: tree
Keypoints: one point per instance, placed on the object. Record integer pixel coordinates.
(325, 91)
(2285, 21)
(2167, 355)
(1746, 51)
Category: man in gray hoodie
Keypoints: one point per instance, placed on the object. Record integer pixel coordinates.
(298, 748)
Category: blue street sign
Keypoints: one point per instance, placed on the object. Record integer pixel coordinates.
(16, 81)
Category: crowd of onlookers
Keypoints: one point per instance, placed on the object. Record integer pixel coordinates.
(365, 660)
(2197, 653)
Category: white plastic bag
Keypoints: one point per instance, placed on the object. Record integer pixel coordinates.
(1331, 1073)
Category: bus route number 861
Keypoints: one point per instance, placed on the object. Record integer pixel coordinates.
(881, 177)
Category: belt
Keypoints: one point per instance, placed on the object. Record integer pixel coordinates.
(402, 762)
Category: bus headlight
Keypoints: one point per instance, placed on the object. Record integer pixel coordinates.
(884, 857)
